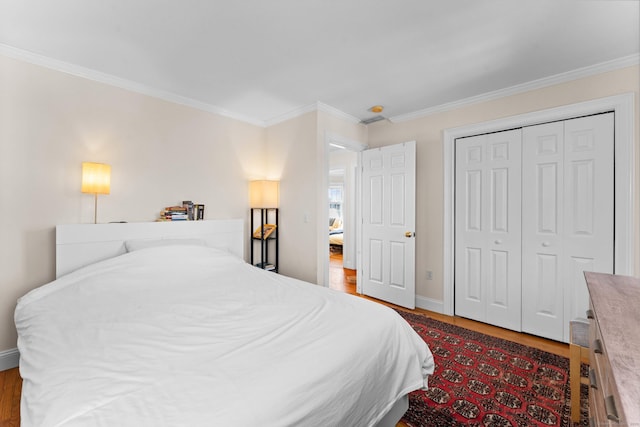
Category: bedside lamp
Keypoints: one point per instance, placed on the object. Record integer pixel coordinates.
(263, 194)
(96, 179)
(263, 199)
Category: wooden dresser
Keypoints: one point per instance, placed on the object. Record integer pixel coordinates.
(614, 373)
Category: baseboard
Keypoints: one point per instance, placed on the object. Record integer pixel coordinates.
(9, 359)
(429, 304)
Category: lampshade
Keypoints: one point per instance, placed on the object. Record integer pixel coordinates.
(263, 194)
(96, 178)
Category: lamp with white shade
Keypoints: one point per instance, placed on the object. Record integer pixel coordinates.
(263, 194)
(96, 179)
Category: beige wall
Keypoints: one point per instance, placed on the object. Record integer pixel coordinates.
(428, 132)
(291, 158)
(161, 153)
(297, 155)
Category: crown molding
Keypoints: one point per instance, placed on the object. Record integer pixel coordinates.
(337, 113)
(626, 61)
(316, 106)
(121, 83)
(140, 88)
(290, 115)
(90, 74)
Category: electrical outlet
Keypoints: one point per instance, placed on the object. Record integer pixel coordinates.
(429, 275)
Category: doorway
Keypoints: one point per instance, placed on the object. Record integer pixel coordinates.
(340, 146)
(341, 199)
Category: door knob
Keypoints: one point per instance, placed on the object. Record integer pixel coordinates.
(497, 241)
(546, 244)
(409, 234)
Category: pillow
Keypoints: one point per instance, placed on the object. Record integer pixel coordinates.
(336, 224)
(135, 245)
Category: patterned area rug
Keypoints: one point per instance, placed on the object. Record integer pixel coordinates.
(485, 381)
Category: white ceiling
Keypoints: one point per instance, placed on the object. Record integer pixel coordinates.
(259, 60)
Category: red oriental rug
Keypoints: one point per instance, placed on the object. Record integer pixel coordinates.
(480, 380)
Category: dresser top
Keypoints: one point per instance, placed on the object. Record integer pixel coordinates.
(616, 303)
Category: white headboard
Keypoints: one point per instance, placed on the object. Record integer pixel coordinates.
(78, 245)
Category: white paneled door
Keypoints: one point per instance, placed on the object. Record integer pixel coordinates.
(543, 230)
(388, 227)
(488, 256)
(534, 210)
(567, 219)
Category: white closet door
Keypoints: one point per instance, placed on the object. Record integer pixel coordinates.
(567, 219)
(488, 255)
(542, 230)
(588, 208)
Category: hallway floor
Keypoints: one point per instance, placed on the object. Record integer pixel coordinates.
(341, 279)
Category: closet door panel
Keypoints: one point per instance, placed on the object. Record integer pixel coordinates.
(542, 230)
(547, 284)
(488, 216)
(504, 278)
(567, 219)
(499, 279)
(588, 215)
(470, 228)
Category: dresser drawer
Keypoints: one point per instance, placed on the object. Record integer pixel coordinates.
(603, 395)
(597, 414)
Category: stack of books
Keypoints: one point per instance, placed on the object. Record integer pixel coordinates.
(174, 213)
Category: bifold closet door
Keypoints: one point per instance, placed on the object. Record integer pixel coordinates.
(488, 215)
(567, 219)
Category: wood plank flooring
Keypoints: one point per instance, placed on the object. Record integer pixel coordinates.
(341, 279)
(10, 388)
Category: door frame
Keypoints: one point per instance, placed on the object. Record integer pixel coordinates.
(624, 158)
(323, 207)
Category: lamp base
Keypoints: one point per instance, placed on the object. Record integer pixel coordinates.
(95, 208)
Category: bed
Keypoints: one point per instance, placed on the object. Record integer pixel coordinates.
(336, 235)
(164, 324)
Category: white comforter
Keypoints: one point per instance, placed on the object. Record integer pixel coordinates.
(193, 336)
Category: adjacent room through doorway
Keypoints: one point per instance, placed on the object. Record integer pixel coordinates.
(342, 211)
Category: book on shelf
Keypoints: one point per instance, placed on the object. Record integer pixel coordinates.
(179, 217)
(181, 209)
(198, 212)
(266, 266)
(263, 232)
(188, 204)
(174, 210)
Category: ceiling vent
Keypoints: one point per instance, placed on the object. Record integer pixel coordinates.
(372, 119)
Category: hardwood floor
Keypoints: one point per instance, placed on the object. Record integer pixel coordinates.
(10, 388)
(343, 280)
